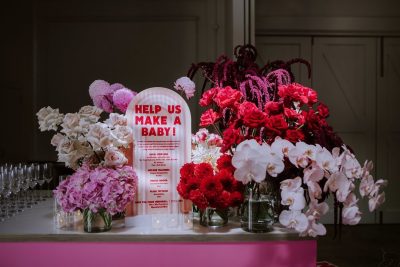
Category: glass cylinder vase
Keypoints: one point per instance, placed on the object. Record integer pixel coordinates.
(259, 209)
(212, 217)
(96, 222)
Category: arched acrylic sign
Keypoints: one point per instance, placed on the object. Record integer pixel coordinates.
(161, 124)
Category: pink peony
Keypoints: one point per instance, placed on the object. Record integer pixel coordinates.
(122, 97)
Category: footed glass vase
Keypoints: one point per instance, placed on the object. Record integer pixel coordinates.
(214, 218)
(96, 222)
(259, 209)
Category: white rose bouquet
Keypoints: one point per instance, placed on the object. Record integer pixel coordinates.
(82, 137)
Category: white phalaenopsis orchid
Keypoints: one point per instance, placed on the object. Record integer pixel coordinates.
(275, 163)
(294, 199)
(250, 161)
(316, 210)
(314, 229)
(337, 172)
(367, 185)
(339, 183)
(300, 155)
(376, 201)
(281, 146)
(312, 175)
(291, 184)
(326, 161)
(294, 219)
(351, 215)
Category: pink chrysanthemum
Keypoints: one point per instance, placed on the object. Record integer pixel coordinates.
(122, 98)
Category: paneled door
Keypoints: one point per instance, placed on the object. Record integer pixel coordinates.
(286, 48)
(389, 129)
(345, 77)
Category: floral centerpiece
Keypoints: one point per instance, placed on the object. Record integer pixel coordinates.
(276, 141)
(209, 182)
(102, 184)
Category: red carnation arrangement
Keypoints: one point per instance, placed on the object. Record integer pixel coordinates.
(208, 188)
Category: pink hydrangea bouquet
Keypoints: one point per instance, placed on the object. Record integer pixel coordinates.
(97, 189)
(276, 140)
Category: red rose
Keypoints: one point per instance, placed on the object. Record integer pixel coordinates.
(278, 122)
(208, 117)
(323, 110)
(246, 107)
(211, 187)
(231, 136)
(294, 135)
(198, 199)
(225, 163)
(227, 97)
(208, 97)
(254, 119)
(272, 107)
(203, 170)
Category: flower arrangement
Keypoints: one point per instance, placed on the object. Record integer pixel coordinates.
(275, 130)
(102, 183)
(97, 189)
(82, 138)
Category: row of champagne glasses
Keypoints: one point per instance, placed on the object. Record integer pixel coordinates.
(17, 184)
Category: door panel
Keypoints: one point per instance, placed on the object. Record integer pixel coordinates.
(345, 79)
(286, 48)
(389, 129)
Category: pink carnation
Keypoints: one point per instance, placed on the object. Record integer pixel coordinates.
(122, 98)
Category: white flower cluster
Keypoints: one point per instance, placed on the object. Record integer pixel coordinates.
(81, 137)
(206, 147)
(49, 119)
(338, 172)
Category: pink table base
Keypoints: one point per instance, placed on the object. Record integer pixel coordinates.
(193, 254)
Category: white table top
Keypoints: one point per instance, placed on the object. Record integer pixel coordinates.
(36, 224)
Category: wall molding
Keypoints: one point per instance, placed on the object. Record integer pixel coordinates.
(315, 26)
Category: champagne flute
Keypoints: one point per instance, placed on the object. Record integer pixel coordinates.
(48, 176)
(34, 176)
(41, 178)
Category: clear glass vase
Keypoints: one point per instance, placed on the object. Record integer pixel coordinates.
(259, 209)
(96, 222)
(214, 218)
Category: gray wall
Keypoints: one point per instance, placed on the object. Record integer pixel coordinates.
(51, 51)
